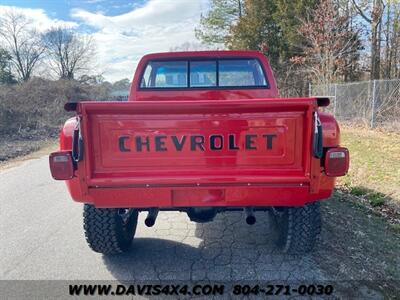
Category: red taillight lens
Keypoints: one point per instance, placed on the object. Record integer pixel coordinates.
(61, 165)
(336, 162)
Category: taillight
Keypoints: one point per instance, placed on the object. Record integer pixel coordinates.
(336, 162)
(61, 165)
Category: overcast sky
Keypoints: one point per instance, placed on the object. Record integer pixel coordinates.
(123, 30)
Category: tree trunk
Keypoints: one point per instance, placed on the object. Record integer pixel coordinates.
(387, 43)
(376, 17)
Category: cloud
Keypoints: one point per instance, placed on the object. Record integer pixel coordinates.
(154, 27)
(40, 20)
(93, 1)
(121, 40)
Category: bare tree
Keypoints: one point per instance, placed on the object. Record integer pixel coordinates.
(69, 52)
(330, 47)
(391, 58)
(22, 42)
(375, 21)
(395, 43)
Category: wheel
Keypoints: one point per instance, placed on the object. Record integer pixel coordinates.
(298, 227)
(109, 230)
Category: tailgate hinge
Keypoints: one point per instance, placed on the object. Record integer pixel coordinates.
(317, 137)
(77, 142)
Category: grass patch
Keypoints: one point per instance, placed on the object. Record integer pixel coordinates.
(358, 191)
(376, 199)
(395, 227)
(374, 165)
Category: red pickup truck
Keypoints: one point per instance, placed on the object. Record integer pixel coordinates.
(202, 133)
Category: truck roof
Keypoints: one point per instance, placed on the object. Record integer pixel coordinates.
(208, 53)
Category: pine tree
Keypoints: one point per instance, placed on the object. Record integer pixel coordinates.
(214, 28)
(257, 30)
(6, 76)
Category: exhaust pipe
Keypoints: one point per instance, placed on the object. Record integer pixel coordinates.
(151, 217)
(250, 217)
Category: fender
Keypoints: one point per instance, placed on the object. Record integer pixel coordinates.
(330, 130)
(66, 135)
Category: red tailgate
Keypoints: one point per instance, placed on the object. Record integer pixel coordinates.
(240, 142)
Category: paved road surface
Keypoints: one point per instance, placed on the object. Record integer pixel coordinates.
(42, 238)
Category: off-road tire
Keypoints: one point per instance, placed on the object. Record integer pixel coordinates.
(105, 230)
(298, 228)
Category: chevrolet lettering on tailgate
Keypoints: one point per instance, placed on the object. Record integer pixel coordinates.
(193, 142)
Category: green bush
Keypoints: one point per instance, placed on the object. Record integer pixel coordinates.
(376, 199)
(358, 191)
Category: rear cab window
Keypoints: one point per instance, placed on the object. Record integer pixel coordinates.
(167, 74)
(207, 73)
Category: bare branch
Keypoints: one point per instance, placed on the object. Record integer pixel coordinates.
(69, 51)
(21, 42)
(361, 12)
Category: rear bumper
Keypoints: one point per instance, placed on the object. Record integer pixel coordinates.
(210, 196)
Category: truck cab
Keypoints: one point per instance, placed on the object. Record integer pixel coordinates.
(201, 133)
(203, 75)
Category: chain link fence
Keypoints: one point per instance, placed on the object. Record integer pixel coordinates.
(375, 103)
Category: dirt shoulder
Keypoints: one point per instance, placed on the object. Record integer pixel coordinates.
(358, 247)
(14, 151)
